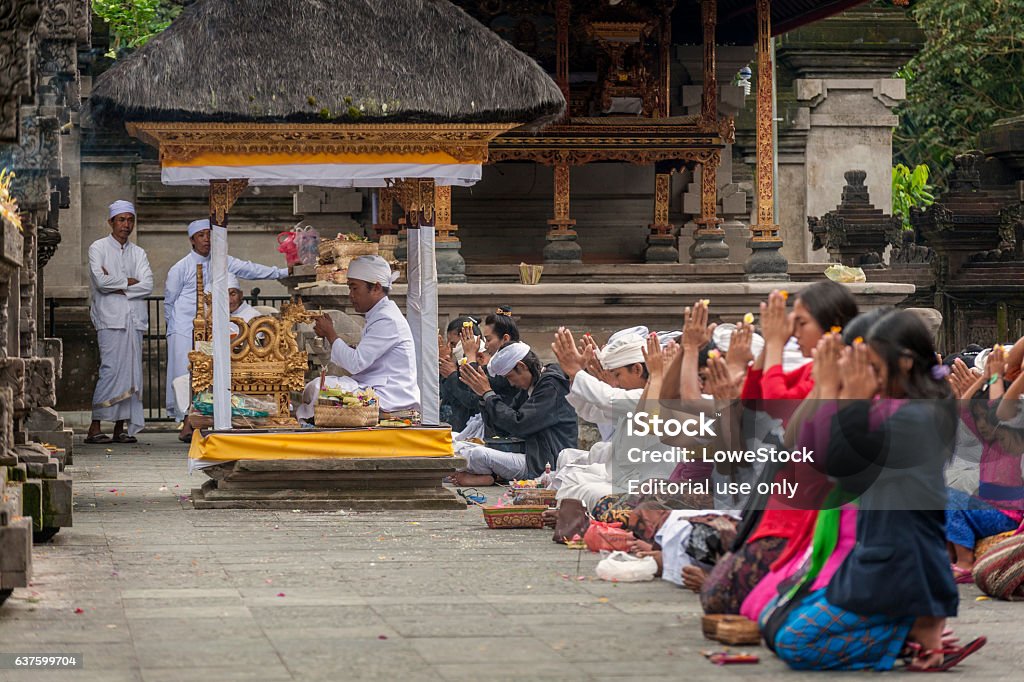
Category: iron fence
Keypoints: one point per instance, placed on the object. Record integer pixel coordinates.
(154, 349)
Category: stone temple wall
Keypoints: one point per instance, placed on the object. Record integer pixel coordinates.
(39, 47)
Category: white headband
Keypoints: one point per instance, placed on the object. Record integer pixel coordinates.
(198, 226)
(625, 350)
(372, 269)
(505, 360)
(638, 331)
(120, 206)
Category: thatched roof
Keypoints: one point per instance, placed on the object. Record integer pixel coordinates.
(398, 61)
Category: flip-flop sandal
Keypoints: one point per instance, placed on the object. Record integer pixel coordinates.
(951, 656)
(961, 576)
(472, 496)
(125, 438)
(98, 439)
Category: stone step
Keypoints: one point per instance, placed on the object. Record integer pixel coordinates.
(16, 553)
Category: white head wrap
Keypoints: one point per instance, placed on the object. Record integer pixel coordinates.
(665, 337)
(505, 360)
(638, 331)
(372, 269)
(198, 226)
(980, 359)
(723, 335)
(626, 350)
(120, 206)
(792, 356)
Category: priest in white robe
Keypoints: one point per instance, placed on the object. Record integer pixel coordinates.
(385, 357)
(587, 475)
(120, 279)
(180, 302)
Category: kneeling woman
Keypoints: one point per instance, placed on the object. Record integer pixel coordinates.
(538, 413)
(893, 592)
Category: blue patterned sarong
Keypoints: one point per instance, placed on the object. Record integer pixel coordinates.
(820, 636)
(969, 519)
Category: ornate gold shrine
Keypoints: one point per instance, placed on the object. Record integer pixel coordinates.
(265, 357)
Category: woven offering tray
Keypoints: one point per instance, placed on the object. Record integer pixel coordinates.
(514, 517)
(332, 415)
(731, 629)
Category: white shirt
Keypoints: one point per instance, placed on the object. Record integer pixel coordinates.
(180, 289)
(384, 359)
(109, 309)
(244, 311)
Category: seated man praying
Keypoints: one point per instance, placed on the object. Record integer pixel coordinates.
(385, 358)
(538, 413)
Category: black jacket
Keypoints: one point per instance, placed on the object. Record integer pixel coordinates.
(899, 566)
(463, 402)
(543, 418)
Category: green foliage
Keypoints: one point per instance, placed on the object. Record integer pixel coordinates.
(133, 22)
(910, 189)
(967, 76)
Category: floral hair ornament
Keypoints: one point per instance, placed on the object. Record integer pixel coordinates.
(940, 372)
(502, 311)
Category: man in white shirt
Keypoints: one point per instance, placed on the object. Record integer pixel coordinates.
(385, 357)
(120, 279)
(180, 302)
(237, 304)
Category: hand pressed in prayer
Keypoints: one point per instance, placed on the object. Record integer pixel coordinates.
(324, 328)
(859, 379)
(595, 368)
(720, 382)
(446, 367)
(444, 351)
(653, 357)
(995, 363)
(961, 378)
(825, 369)
(475, 379)
(776, 325)
(696, 332)
(470, 344)
(570, 359)
(739, 355)
(669, 352)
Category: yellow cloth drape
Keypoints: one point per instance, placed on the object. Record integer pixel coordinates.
(343, 444)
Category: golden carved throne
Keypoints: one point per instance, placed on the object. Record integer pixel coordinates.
(265, 358)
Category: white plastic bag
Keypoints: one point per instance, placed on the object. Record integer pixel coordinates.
(626, 568)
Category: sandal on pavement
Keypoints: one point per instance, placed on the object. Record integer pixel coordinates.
(951, 656)
(125, 438)
(98, 439)
(961, 576)
(472, 496)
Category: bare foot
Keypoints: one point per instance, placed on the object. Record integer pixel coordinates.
(550, 517)
(693, 578)
(466, 479)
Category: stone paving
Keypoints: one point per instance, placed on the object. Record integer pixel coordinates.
(146, 588)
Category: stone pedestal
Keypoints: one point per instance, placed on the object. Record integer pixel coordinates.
(562, 248)
(412, 483)
(451, 266)
(661, 248)
(766, 263)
